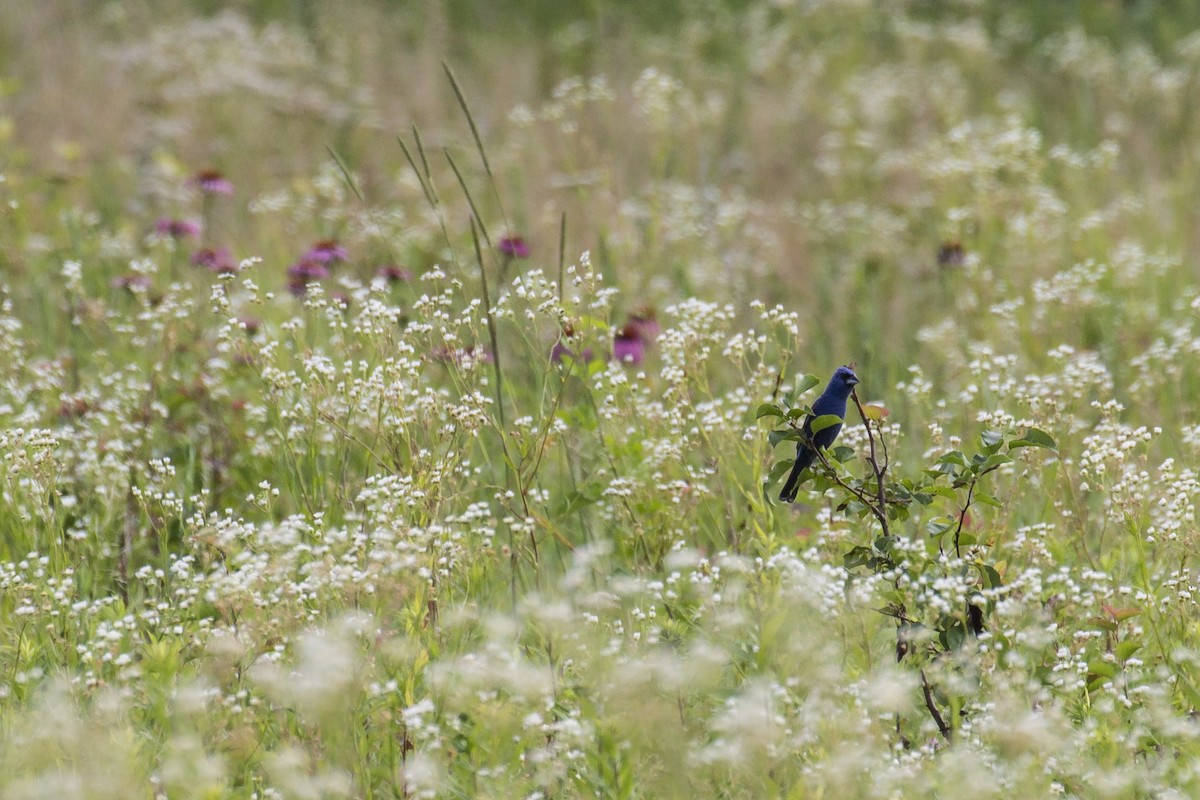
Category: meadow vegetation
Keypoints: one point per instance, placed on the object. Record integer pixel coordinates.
(394, 398)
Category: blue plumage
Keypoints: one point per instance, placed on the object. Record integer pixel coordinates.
(832, 401)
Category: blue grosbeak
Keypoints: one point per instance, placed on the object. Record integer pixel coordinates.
(832, 401)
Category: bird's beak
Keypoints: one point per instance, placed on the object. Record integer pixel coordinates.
(852, 381)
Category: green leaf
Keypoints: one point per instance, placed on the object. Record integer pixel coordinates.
(991, 439)
(768, 410)
(842, 453)
(952, 638)
(825, 421)
(798, 412)
(1127, 648)
(857, 557)
(994, 460)
(953, 457)
(783, 435)
(983, 498)
(779, 470)
(938, 527)
(804, 383)
(991, 576)
(1034, 438)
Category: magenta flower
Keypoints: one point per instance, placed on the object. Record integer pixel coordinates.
(177, 228)
(394, 274)
(644, 322)
(513, 247)
(326, 251)
(307, 270)
(211, 181)
(629, 347)
(218, 260)
(561, 351)
(304, 272)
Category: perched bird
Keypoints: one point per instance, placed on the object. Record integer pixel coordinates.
(831, 401)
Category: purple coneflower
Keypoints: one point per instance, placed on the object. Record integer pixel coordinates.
(395, 274)
(326, 251)
(629, 347)
(561, 351)
(217, 259)
(304, 272)
(308, 270)
(644, 322)
(211, 181)
(513, 247)
(177, 228)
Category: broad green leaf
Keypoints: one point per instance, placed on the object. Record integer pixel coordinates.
(857, 557)
(986, 499)
(938, 527)
(994, 460)
(768, 410)
(991, 438)
(804, 383)
(780, 469)
(952, 638)
(1127, 648)
(953, 457)
(1034, 438)
(783, 435)
(990, 575)
(825, 421)
(842, 453)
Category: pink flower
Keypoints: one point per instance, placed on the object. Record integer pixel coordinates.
(326, 251)
(216, 259)
(513, 247)
(629, 347)
(644, 322)
(211, 181)
(561, 351)
(177, 228)
(304, 272)
(394, 274)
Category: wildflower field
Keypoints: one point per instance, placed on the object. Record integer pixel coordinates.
(395, 399)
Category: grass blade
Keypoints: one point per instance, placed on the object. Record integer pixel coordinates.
(345, 172)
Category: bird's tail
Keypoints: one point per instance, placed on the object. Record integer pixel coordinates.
(788, 493)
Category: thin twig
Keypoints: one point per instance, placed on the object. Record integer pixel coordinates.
(933, 709)
(874, 462)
